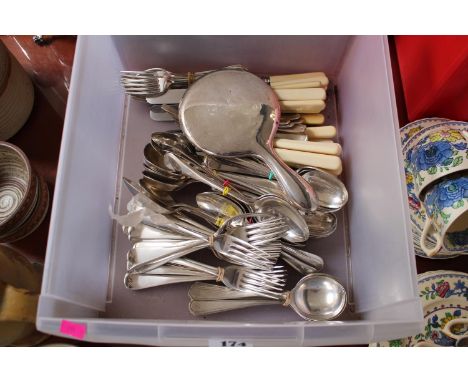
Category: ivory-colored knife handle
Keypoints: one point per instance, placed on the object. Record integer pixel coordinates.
(306, 106)
(313, 119)
(320, 140)
(329, 148)
(297, 76)
(305, 77)
(301, 94)
(298, 84)
(296, 137)
(301, 158)
(321, 132)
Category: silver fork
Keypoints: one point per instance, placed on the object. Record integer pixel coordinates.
(155, 82)
(226, 246)
(157, 251)
(147, 255)
(265, 234)
(261, 283)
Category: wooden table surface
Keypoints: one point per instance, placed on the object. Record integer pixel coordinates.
(50, 68)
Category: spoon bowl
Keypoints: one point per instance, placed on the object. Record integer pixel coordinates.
(331, 193)
(173, 141)
(318, 297)
(321, 224)
(219, 205)
(161, 183)
(273, 205)
(154, 160)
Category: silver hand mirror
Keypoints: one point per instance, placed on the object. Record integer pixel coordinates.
(233, 113)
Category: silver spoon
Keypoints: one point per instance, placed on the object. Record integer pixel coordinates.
(246, 166)
(231, 113)
(219, 205)
(331, 192)
(195, 172)
(273, 205)
(316, 297)
(154, 161)
(173, 141)
(321, 224)
(256, 185)
(161, 183)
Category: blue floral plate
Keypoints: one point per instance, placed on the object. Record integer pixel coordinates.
(444, 297)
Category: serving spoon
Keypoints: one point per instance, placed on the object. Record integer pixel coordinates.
(316, 297)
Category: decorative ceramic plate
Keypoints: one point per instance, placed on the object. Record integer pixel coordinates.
(444, 296)
(424, 132)
(417, 212)
(407, 131)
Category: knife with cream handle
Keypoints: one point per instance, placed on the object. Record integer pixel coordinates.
(289, 80)
(296, 137)
(312, 147)
(313, 119)
(319, 140)
(301, 94)
(304, 106)
(301, 158)
(320, 132)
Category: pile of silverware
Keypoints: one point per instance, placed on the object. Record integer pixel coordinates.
(258, 213)
(302, 139)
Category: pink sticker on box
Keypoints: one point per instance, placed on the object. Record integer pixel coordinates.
(73, 329)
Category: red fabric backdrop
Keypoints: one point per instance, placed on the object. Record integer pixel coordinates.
(434, 74)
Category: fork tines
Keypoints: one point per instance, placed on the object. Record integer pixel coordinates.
(246, 254)
(268, 283)
(266, 233)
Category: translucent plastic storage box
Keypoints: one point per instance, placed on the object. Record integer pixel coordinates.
(103, 139)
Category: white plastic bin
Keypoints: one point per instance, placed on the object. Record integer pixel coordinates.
(103, 139)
